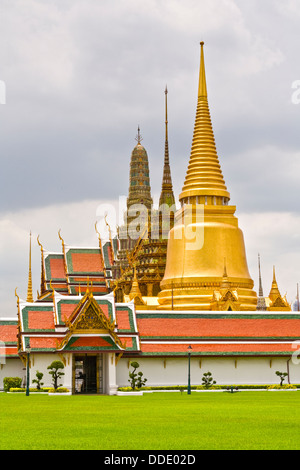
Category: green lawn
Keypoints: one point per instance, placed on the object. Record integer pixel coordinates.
(158, 421)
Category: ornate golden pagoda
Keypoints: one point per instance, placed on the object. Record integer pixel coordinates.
(275, 301)
(206, 232)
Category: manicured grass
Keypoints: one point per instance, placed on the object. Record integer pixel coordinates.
(157, 421)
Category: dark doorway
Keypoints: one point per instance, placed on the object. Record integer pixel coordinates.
(86, 374)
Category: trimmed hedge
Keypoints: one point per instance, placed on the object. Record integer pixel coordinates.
(214, 387)
(11, 382)
(34, 390)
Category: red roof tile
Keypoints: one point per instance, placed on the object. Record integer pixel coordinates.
(87, 262)
(40, 320)
(8, 333)
(218, 348)
(218, 327)
(57, 268)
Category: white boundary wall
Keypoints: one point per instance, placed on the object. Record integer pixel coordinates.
(239, 370)
(161, 371)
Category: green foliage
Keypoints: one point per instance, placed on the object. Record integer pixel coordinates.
(136, 379)
(282, 387)
(59, 390)
(207, 380)
(38, 380)
(55, 372)
(11, 382)
(282, 376)
(32, 390)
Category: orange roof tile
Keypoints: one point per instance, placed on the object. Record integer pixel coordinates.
(40, 320)
(217, 348)
(8, 333)
(218, 327)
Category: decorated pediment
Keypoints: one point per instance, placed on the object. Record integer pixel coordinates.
(278, 303)
(226, 300)
(229, 297)
(88, 320)
(93, 319)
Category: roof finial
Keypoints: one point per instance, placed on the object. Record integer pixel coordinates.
(202, 79)
(138, 137)
(43, 274)
(29, 289)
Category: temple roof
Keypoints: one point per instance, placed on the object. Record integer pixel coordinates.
(91, 323)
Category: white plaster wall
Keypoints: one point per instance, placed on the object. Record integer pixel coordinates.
(40, 362)
(13, 367)
(174, 371)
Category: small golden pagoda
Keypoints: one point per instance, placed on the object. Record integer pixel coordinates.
(205, 232)
(275, 301)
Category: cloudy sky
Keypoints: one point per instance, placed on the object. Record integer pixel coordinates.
(81, 75)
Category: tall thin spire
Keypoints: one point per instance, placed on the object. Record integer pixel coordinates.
(261, 302)
(204, 176)
(260, 288)
(167, 195)
(202, 91)
(29, 289)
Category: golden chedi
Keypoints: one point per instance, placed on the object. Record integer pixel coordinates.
(206, 235)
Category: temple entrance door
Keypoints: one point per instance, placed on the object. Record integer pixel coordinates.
(86, 374)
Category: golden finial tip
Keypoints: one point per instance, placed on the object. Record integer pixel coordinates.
(202, 43)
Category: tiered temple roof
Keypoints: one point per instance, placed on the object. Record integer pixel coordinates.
(91, 323)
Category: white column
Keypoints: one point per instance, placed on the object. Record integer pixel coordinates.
(110, 374)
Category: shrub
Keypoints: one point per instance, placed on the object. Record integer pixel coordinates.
(11, 382)
(55, 371)
(32, 390)
(207, 380)
(38, 380)
(282, 376)
(136, 380)
(58, 390)
(282, 387)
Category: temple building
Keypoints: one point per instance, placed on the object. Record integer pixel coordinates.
(141, 260)
(154, 298)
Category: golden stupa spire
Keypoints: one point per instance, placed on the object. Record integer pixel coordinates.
(29, 289)
(206, 248)
(202, 78)
(274, 292)
(204, 182)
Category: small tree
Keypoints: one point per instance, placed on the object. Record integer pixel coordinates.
(38, 380)
(207, 380)
(55, 371)
(282, 376)
(136, 379)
